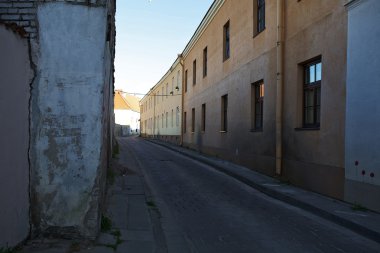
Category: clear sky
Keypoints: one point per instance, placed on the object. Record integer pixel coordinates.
(149, 36)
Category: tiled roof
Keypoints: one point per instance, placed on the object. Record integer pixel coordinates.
(126, 102)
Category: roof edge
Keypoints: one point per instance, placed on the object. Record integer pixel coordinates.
(212, 11)
(172, 67)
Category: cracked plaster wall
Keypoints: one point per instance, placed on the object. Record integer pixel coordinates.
(67, 119)
(72, 55)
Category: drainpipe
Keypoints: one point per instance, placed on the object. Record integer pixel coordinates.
(154, 115)
(183, 94)
(279, 84)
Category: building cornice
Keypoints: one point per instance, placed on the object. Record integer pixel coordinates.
(212, 11)
(173, 66)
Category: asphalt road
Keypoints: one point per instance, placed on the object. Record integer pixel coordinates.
(203, 210)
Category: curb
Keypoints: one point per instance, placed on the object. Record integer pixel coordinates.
(362, 230)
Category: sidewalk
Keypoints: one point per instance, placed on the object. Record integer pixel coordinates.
(365, 223)
(130, 223)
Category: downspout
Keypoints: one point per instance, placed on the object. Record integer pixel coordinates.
(279, 84)
(183, 94)
(154, 115)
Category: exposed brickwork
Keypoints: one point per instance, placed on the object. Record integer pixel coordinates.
(20, 15)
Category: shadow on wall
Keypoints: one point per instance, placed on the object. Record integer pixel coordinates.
(16, 75)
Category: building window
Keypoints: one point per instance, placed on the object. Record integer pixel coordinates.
(193, 120)
(172, 118)
(177, 116)
(312, 94)
(162, 121)
(205, 62)
(162, 96)
(172, 91)
(166, 119)
(178, 76)
(185, 80)
(158, 122)
(194, 72)
(260, 16)
(167, 90)
(224, 113)
(184, 122)
(226, 41)
(257, 105)
(203, 117)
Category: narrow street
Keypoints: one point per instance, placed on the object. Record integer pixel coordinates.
(203, 210)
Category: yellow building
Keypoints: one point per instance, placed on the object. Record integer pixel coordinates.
(161, 107)
(270, 99)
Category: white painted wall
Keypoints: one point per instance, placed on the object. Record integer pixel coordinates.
(363, 92)
(128, 118)
(67, 117)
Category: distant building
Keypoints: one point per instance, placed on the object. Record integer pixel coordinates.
(127, 114)
(56, 96)
(362, 156)
(161, 108)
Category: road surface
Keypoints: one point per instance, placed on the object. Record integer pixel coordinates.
(203, 210)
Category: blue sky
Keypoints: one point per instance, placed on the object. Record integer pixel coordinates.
(150, 34)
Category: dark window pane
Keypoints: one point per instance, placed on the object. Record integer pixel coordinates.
(309, 116)
(318, 91)
(309, 97)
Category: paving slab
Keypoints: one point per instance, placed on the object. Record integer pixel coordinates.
(97, 249)
(106, 239)
(135, 247)
(138, 216)
(136, 235)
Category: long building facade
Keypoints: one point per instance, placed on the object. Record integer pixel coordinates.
(161, 107)
(264, 86)
(266, 98)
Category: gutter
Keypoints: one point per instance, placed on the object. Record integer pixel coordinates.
(279, 85)
(181, 61)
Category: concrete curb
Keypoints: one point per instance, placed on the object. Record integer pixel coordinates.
(224, 167)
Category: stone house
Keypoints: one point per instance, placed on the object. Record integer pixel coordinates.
(56, 97)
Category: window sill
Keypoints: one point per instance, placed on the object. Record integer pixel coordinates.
(258, 33)
(226, 59)
(222, 132)
(307, 128)
(254, 130)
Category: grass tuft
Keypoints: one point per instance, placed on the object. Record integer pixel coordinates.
(358, 207)
(106, 224)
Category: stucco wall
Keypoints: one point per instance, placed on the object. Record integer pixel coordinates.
(16, 74)
(314, 159)
(159, 102)
(67, 116)
(363, 109)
